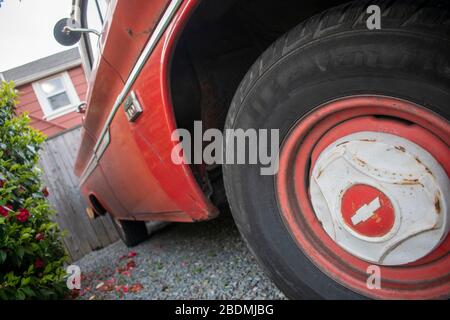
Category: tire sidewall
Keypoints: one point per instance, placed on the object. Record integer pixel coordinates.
(389, 63)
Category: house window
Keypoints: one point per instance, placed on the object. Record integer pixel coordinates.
(56, 95)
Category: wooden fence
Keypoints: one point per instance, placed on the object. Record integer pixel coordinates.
(83, 235)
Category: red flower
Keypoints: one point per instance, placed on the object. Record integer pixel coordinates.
(3, 211)
(45, 192)
(132, 254)
(136, 287)
(126, 273)
(39, 237)
(130, 265)
(38, 263)
(2, 183)
(23, 215)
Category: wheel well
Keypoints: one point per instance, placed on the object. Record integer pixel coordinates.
(217, 47)
(99, 210)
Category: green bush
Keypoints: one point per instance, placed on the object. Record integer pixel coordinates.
(31, 254)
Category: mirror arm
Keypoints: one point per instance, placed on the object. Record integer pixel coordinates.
(68, 29)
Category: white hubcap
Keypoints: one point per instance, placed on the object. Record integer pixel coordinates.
(382, 198)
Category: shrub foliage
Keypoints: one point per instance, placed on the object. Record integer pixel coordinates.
(31, 254)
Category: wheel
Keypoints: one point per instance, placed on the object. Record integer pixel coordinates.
(131, 232)
(363, 178)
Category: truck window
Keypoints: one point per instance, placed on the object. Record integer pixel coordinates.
(96, 12)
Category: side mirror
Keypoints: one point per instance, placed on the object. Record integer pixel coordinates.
(67, 32)
(63, 35)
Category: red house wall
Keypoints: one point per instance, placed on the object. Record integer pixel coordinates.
(28, 102)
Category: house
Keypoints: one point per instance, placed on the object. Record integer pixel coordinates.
(50, 90)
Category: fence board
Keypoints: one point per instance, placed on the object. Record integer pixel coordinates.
(83, 235)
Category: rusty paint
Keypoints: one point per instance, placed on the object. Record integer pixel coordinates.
(400, 148)
(368, 140)
(437, 204)
(144, 32)
(320, 173)
(408, 182)
(423, 165)
(342, 143)
(361, 162)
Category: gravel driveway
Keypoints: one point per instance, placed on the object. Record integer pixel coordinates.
(206, 260)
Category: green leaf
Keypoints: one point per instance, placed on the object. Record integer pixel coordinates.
(25, 236)
(48, 268)
(20, 295)
(21, 188)
(25, 281)
(3, 256)
(20, 252)
(28, 292)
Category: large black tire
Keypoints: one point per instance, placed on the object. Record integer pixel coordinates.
(131, 232)
(330, 56)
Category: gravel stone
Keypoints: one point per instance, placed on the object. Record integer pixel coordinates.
(205, 260)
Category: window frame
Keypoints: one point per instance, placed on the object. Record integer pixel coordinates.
(69, 89)
(89, 54)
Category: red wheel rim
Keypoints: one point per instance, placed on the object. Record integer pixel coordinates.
(427, 278)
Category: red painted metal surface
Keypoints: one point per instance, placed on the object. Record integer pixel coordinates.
(380, 223)
(128, 31)
(136, 178)
(104, 86)
(427, 278)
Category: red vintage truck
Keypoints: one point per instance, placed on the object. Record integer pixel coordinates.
(358, 93)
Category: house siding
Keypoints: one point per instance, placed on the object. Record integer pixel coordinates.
(28, 102)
